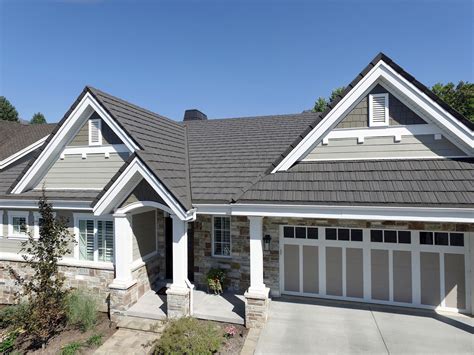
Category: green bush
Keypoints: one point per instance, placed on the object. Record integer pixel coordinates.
(215, 280)
(94, 340)
(81, 309)
(12, 316)
(8, 343)
(189, 336)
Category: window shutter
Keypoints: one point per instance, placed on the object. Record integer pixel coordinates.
(86, 239)
(95, 136)
(379, 110)
(105, 240)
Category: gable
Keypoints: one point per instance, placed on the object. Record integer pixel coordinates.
(441, 120)
(399, 113)
(82, 137)
(142, 192)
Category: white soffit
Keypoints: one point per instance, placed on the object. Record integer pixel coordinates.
(381, 72)
(69, 129)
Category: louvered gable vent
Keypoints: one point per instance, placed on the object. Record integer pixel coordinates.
(95, 135)
(378, 110)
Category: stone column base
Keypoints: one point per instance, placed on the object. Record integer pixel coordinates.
(256, 308)
(178, 301)
(121, 299)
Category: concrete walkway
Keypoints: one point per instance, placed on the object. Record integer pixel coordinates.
(305, 326)
(128, 341)
(226, 307)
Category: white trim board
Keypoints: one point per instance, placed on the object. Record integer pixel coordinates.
(128, 180)
(115, 148)
(376, 213)
(21, 153)
(57, 204)
(81, 113)
(388, 76)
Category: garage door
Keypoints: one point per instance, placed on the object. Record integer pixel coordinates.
(424, 269)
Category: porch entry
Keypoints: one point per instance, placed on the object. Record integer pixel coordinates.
(169, 249)
(425, 269)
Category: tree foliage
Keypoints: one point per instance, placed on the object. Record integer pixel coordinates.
(322, 103)
(460, 96)
(38, 118)
(8, 112)
(44, 291)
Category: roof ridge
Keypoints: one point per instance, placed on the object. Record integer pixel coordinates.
(254, 117)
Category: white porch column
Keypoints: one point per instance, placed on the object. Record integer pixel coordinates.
(180, 253)
(256, 257)
(123, 252)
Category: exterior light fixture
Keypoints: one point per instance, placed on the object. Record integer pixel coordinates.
(266, 242)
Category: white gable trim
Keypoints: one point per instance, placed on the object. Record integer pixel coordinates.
(70, 127)
(21, 153)
(127, 181)
(390, 77)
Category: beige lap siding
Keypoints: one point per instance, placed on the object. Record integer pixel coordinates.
(144, 234)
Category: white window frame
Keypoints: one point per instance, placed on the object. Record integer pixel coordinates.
(99, 133)
(21, 214)
(230, 238)
(36, 218)
(387, 120)
(85, 216)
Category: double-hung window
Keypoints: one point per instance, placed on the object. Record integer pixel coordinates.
(221, 241)
(96, 239)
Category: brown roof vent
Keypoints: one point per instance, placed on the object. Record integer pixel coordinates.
(194, 115)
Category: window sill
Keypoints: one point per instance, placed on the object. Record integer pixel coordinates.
(221, 256)
(17, 237)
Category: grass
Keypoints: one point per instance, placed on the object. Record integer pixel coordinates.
(94, 341)
(71, 348)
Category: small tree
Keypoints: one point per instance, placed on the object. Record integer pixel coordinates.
(38, 118)
(44, 291)
(8, 112)
(460, 97)
(321, 103)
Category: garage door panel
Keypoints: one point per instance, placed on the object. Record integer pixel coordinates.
(334, 271)
(292, 269)
(380, 278)
(310, 269)
(430, 280)
(402, 278)
(354, 272)
(454, 280)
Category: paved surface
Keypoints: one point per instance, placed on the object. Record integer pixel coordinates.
(304, 326)
(226, 307)
(128, 341)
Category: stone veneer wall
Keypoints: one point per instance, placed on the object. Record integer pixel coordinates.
(93, 279)
(238, 266)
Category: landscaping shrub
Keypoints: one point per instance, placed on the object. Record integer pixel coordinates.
(81, 309)
(12, 316)
(215, 280)
(8, 343)
(71, 348)
(189, 336)
(94, 340)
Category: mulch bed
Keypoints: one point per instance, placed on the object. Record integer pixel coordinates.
(104, 327)
(234, 344)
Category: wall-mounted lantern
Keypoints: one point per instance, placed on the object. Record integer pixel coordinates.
(266, 242)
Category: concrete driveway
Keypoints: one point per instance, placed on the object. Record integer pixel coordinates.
(304, 326)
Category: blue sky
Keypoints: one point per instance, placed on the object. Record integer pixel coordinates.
(226, 58)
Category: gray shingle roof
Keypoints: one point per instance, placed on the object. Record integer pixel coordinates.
(435, 182)
(16, 136)
(163, 142)
(226, 155)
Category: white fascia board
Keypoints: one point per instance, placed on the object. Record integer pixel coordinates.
(384, 72)
(128, 180)
(409, 130)
(377, 213)
(57, 204)
(115, 148)
(69, 128)
(20, 154)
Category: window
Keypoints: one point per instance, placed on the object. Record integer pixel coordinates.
(18, 224)
(344, 234)
(96, 239)
(442, 239)
(300, 232)
(378, 110)
(221, 242)
(38, 221)
(390, 236)
(95, 132)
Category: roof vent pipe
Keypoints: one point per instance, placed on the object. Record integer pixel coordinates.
(194, 115)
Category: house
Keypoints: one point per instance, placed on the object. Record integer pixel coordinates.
(369, 201)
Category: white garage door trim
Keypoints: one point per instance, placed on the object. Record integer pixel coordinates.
(366, 245)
